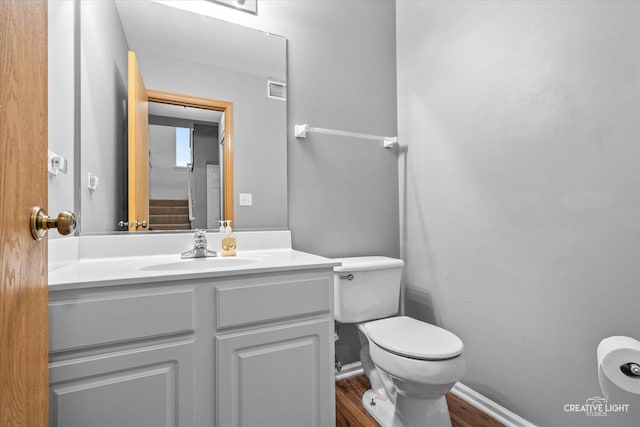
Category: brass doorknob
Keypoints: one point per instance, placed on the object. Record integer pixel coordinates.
(137, 224)
(40, 223)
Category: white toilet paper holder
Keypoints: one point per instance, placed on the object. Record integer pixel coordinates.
(619, 368)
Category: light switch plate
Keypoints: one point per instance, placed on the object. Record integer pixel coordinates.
(93, 181)
(246, 199)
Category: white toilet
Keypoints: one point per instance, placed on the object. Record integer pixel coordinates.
(410, 364)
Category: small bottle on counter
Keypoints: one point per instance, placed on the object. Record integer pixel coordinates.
(228, 241)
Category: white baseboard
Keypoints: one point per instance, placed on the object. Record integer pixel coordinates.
(472, 397)
(349, 370)
(489, 407)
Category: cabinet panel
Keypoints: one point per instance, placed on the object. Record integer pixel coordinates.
(150, 386)
(83, 322)
(279, 376)
(265, 299)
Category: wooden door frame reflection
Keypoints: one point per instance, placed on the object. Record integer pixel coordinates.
(227, 159)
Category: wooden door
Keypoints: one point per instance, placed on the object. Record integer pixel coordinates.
(138, 148)
(23, 185)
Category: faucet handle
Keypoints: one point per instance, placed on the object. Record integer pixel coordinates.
(199, 246)
(200, 239)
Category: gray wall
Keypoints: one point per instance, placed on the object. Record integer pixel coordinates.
(343, 197)
(61, 29)
(103, 58)
(205, 142)
(520, 193)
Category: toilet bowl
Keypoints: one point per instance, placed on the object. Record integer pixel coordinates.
(410, 364)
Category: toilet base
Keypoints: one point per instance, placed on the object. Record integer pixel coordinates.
(433, 413)
(380, 410)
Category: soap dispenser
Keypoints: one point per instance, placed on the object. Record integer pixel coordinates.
(228, 241)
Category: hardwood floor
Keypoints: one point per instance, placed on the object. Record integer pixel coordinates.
(350, 413)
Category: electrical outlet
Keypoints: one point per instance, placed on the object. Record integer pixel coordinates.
(246, 199)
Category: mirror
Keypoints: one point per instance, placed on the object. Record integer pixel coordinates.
(183, 53)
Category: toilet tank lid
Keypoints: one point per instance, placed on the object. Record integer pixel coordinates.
(367, 263)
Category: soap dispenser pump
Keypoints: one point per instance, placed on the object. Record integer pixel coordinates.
(228, 240)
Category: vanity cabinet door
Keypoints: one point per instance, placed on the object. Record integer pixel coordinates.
(278, 376)
(147, 386)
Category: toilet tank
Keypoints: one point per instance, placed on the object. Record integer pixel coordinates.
(366, 288)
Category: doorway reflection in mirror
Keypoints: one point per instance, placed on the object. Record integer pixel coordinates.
(184, 167)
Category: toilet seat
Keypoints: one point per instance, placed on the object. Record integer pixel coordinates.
(412, 338)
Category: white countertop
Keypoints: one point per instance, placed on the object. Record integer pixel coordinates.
(111, 268)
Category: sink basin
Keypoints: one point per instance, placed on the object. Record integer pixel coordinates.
(201, 264)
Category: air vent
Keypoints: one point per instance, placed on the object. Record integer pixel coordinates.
(276, 90)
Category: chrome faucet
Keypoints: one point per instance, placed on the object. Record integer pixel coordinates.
(199, 249)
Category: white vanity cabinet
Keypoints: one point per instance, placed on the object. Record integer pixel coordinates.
(274, 351)
(121, 356)
(236, 350)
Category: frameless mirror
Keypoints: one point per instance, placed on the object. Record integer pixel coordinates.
(184, 53)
